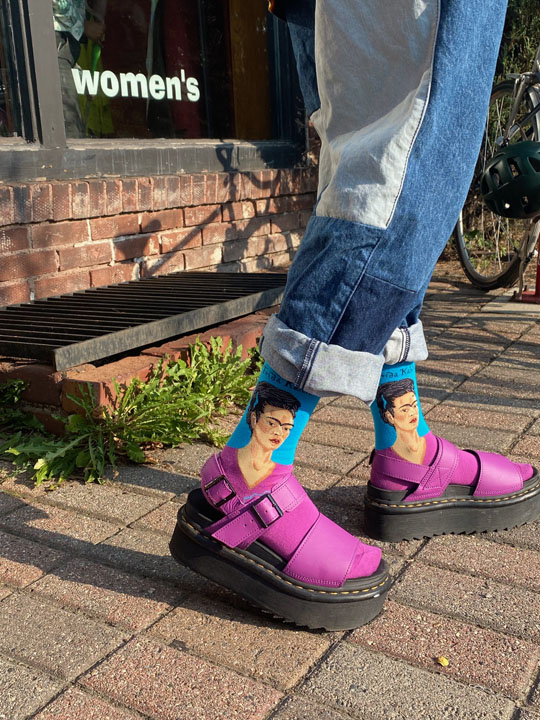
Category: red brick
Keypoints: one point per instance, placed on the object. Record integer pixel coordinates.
(202, 215)
(136, 246)
(174, 191)
(419, 637)
(238, 210)
(254, 264)
(255, 226)
(186, 193)
(80, 200)
(163, 220)
(114, 274)
(96, 198)
(202, 257)
(61, 233)
(172, 262)
(287, 221)
(282, 259)
(130, 196)
(260, 184)
(305, 217)
(198, 189)
(49, 420)
(61, 201)
(245, 332)
(41, 202)
(6, 206)
(270, 206)
(210, 195)
(113, 197)
(157, 692)
(218, 233)
(22, 204)
(181, 240)
(97, 253)
(292, 182)
(295, 238)
(302, 202)
(310, 177)
(28, 264)
(61, 284)
(117, 226)
(14, 238)
(14, 293)
(43, 383)
(144, 190)
(75, 704)
(101, 380)
(159, 193)
(227, 187)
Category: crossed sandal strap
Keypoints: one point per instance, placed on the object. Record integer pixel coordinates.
(244, 523)
(432, 479)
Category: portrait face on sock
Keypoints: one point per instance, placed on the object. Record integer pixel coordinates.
(270, 416)
(399, 410)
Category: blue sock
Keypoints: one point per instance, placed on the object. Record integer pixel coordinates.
(271, 426)
(397, 415)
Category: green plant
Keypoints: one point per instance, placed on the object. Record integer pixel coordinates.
(520, 38)
(179, 402)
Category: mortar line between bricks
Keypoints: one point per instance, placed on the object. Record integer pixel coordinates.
(534, 685)
(89, 691)
(479, 576)
(189, 651)
(527, 693)
(318, 663)
(459, 618)
(88, 614)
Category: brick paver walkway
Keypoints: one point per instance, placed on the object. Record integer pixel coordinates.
(97, 621)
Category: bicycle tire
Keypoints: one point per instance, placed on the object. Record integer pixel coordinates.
(488, 244)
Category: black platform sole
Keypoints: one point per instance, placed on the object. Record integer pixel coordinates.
(390, 519)
(263, 584)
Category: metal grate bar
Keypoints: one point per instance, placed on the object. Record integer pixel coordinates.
(96, 323)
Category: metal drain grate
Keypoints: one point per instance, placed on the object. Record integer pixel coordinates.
(73, 329)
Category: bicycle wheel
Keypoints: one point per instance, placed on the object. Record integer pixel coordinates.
(488, 244)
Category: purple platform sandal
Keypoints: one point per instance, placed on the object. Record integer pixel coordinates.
(405, 501)
(274, 548)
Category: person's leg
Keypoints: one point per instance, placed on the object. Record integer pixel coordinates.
(394, 172)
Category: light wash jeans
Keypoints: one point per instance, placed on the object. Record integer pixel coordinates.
(398, 92)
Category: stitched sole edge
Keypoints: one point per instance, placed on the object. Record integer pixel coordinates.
(392, 522)
(261, 585)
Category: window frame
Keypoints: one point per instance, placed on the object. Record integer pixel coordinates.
(44, 153)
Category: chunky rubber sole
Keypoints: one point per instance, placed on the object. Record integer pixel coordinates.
(387, 517)
(255, 575)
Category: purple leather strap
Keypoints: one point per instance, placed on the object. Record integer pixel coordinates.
(325, 555)
(498, 475)
(432, 480)
(244, 523)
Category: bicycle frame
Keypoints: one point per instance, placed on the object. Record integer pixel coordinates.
(526, 82)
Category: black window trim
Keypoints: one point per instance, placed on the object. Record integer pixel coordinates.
(45, 154)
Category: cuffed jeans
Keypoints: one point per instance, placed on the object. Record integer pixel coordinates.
(398, 92)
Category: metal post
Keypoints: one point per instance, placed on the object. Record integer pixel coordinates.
(530, 296)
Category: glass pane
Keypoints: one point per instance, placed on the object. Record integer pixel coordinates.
(9, 124)
(172, 69)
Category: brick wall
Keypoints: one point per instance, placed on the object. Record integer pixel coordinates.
(59, 237)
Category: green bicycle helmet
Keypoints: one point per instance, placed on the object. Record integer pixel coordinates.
(510, 185)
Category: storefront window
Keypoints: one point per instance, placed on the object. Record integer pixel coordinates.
(164, 68)
(8, 122)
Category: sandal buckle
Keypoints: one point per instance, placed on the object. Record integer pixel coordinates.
(215, 481)
(263, 522)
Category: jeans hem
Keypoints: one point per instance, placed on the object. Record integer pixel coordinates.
(324, 369)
